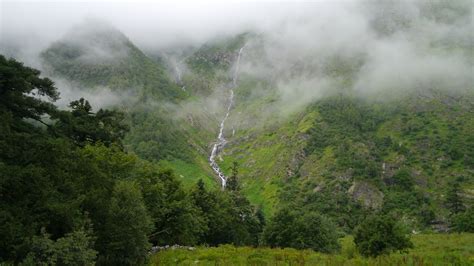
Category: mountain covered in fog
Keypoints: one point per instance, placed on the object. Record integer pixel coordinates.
(98, 55)
(338, 149)
(306, 125)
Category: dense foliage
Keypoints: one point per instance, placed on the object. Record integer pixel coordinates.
(71, 194)
(302, 230)
(395, 157)
(379, 234)
(71, 184)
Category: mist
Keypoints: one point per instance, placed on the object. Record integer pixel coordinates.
(305, 50)
(385, 49)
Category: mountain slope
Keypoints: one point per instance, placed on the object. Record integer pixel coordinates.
(338, 151)
(342, 151)
(101, 57)
(93, 55)
(395, 156)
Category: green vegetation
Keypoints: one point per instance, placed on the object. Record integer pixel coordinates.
(436, 249)
(74, 248)
(71, 194)
(154, 134)
(123, 243)
(215, 57)
(379, 234)
(83, 186)
(346, 156)
(300, 230)
(103, 56)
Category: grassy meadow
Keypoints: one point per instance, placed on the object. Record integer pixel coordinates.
(429, 249)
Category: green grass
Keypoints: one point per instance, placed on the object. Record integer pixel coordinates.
(430, 249)
(189, 173)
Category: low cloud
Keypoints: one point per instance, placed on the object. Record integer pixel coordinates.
(99, 97)
(303, 50)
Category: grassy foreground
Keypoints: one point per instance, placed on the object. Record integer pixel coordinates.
(430, 249)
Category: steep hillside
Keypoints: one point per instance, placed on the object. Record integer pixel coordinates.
(336, 150)
(349, 129)
(101, 57)
(398, 156)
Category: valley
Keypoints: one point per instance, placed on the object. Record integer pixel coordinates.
(337, 134)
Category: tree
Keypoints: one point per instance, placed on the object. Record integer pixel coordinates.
(380, 234)
(228, 217)
(403, 179)
(75, 248)
(464, 221)
(453, 200)
(245, 226)
(301, 230)
(86, 127)
(125, 239)
(215, 209)
(176, 219)
(261, 222)
(21, 91)
(233, 182)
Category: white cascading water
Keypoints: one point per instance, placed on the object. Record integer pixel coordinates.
(221, 141)
(178, 73)
(178, 76)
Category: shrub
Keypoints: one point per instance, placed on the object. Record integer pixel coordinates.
(464, 222)
(302, 230)
(380, 234)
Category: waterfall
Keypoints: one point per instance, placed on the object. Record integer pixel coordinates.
(178, 73)
(178, 76)
(221, 141)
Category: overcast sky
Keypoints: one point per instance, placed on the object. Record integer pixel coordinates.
(148, 24)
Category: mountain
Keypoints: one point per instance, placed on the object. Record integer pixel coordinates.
(96, 54)
(340, 152)
(345, 153)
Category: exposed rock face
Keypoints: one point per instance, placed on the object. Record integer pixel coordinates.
(367, 194)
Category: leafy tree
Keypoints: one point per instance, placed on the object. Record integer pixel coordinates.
(21, 90)
(233, 182)
(37, 188)
(403, 179)
(85, 127)
(215, 210)
(380, 234)
(175, 218)
(245, 226)
(464, 221)
(301, 230)
(453, 200)
(128, 224)
(228, 216)
(261, 222)
(74, 248)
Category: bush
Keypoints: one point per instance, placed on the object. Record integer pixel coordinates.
(302, 230)
(464, 222)
(73, 249)
(380, 234)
